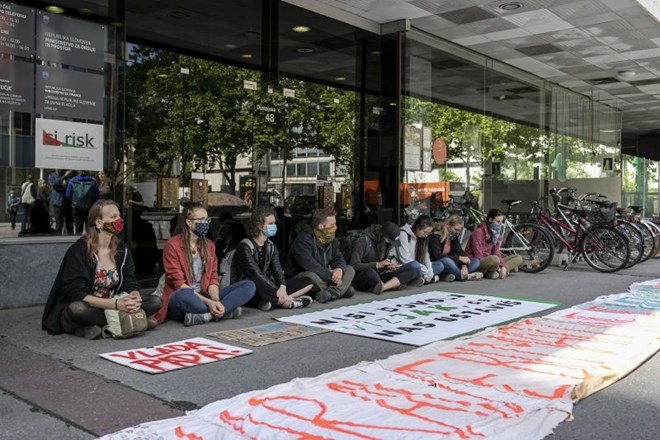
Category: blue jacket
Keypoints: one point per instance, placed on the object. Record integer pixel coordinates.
(58, 187)
(79, 178)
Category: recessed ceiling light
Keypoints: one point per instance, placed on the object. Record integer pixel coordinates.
(251, 34)
(230, 46)
(163, 75)
(55, 9)
(376, 52)
(117, 24)
(247, 56)
(393, 104)
(301, 29)
(340, 78)
(512, 6)
(85, 11)
(305, 50)
(626, 74)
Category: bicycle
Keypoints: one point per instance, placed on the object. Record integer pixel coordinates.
(603, 247)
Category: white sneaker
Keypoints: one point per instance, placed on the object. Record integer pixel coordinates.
(196, 319)
(448, 277)
(475, 276)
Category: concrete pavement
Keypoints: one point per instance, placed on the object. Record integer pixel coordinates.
(39, 372)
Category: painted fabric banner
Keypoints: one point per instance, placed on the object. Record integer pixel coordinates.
(423, 318)
(176, 355)
(516, 381)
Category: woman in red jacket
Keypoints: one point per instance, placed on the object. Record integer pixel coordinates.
(192, 292)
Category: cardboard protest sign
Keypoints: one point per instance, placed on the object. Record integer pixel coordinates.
(423, 318)
(175, 355)
(267, 334)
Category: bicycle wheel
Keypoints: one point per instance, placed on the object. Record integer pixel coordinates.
(533, 244)
(635, 241)
(604, 248)
(649, 241)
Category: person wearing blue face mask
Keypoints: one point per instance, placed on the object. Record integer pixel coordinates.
(258, 260)
(484, 244)
(192, 290)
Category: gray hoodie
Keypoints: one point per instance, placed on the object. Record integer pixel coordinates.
(406, 252)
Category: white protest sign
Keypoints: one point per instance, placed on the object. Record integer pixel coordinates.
(176, 355)
(423, 318)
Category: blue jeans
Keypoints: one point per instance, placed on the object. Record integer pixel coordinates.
(438, 267)
(185, 300)
(453, 268)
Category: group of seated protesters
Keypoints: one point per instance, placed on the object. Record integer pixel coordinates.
(384, 257)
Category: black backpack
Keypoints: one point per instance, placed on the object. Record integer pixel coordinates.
(348, 241)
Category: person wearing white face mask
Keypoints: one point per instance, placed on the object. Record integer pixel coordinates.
(258, 260)
(484, 244)
(192, 289)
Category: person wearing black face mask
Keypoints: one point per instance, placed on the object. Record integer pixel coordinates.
(95, 269)
(484, 244)
(445, 246)
(192, 289)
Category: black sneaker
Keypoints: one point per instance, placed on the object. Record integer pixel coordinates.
(377, 289)
(89, 332)
(323, 296)
(301, 302)
(350, 293)
(417, 282)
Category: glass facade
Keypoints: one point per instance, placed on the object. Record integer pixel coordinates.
(282, 106)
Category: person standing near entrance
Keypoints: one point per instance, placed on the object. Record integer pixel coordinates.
(28, 197)
(58, 204)
(13, 203)
(83, 192)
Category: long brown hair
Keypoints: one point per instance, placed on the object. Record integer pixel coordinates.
(258, 219)
(422, 246)
(382, 246)
(183, 229)
(91, 236)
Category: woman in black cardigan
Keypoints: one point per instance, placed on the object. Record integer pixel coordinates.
(93, 270)
(445, 246)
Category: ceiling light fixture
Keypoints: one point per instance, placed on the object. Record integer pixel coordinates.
(85, 11)
(512, 6)
(301, 29)
(340, 78)
(230, 46)
(55, 9)
(626, 74)
(376, 52)
(251, 34)
(305, 50)
(247, 56)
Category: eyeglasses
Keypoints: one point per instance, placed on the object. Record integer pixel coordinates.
(201, 220)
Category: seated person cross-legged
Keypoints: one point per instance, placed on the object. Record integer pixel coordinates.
(415, 247)
(484, 244)
(445, 246)
(94, 269)
(192, 293)
(258, 260)
(372, 259)
(315, 255)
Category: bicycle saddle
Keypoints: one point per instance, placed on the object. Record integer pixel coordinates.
(511, 202)
(636, 209)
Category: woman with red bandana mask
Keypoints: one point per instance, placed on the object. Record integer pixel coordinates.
(94, 269)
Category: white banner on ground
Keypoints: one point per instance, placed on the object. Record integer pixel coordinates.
(423, 318)
(514, 381)
(68, 145)
(175, 355)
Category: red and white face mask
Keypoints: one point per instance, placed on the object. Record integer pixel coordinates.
(114, 227)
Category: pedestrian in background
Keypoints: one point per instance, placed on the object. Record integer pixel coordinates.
(13, 203)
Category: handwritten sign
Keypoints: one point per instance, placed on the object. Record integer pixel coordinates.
(176, 355)
(423, 318)
(267, 334)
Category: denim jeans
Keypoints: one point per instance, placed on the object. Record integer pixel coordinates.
(185, 300)
(438, 267)
(453, 268)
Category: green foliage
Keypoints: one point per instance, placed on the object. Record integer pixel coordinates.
(207, 118)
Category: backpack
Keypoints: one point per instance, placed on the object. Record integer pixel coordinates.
(81, 197)
(228, 271)
(347, 242)
(29, 194)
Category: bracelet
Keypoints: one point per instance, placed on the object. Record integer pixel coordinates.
(116, 308)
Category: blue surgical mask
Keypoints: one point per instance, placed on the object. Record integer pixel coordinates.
(271, 230)
(201, 229)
